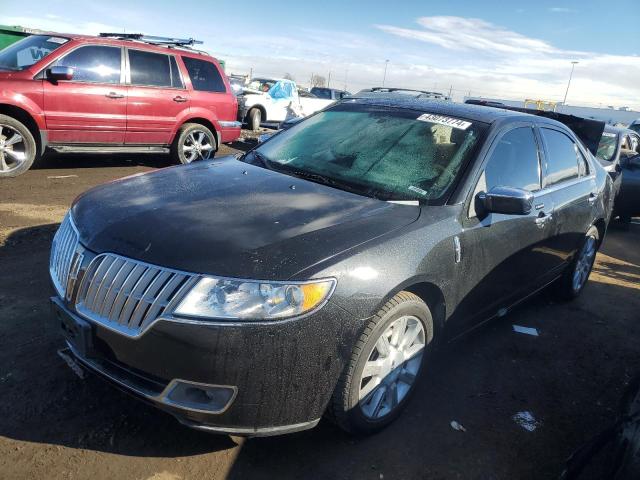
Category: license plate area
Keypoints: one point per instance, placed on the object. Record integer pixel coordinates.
(76, 331)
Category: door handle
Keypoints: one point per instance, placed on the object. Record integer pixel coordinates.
(114, 95)
(179, 99)
(543, 218)
(593, 197)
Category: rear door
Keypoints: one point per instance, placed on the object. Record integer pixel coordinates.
(157, 97)
(90, 108)
(569, 178)
(507, 252)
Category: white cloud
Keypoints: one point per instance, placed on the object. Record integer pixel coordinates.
(560, 10)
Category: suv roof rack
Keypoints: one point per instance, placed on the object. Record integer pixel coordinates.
(170, 41)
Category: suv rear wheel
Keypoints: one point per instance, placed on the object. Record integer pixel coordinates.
(17, 147)
(193, 142)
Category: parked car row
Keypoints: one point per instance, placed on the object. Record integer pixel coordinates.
(112, 93)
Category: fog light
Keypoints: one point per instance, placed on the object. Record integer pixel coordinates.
(199, 396)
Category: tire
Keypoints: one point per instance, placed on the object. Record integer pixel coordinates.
(351, 407)
(192, 135)
(254, 119)
(567, 287)
(19, 156)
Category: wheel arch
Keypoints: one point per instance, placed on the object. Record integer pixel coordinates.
(601, 225)
(29, 121)
(432, 295)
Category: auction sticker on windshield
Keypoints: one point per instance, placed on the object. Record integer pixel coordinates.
(443, 120)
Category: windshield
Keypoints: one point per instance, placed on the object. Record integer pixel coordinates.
(607, 146)
(381, 152)
(28, 51)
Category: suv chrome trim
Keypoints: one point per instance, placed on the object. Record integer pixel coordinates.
(229, 124)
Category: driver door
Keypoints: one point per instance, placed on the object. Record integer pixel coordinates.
(506, 255)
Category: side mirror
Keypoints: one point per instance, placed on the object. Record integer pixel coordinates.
(57, 72)
(506, 200)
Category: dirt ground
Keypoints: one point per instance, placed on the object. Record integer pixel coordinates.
(54, 425)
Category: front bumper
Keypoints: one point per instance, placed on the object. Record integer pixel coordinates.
(283, 373)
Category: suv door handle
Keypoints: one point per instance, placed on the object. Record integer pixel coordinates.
(179, 99)
(114, 95)
(543, 218)
(593, 197)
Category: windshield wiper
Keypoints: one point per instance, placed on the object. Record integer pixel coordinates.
(331, 182)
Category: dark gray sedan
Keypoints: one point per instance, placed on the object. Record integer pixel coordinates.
(314, 274)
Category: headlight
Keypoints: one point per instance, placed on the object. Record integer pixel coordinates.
(252, 300)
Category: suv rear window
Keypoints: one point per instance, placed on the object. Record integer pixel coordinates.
(149, 68)
(204, 75)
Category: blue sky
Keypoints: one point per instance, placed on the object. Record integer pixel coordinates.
(492, 48)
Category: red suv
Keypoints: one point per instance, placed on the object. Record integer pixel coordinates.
(111, 93)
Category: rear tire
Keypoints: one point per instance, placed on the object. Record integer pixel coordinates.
(193, 142)
(575, 277)
(18, 149)
(365, 402)
(254, 119)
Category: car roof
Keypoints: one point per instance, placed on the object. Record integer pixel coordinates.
(477, 113)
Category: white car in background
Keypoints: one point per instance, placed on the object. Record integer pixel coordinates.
(272, 101)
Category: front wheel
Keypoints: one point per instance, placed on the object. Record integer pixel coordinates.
(385, 365)
(254, 119)
(575, 277)
(193, 142)
(17, 147)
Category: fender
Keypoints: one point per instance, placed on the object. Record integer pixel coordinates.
(197, 112)
(19, 100)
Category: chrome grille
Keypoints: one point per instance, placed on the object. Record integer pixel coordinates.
(127, 295)
(63, 249)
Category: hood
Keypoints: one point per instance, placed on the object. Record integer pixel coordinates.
(230, 218)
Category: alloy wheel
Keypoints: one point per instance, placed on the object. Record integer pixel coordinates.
(197, 146)
(392, 367)
(13, 149)
(584, 263)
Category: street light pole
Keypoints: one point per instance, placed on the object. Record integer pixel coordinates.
(384, 78)
(573, 64)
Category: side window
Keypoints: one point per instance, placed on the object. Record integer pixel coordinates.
(94, 63)
(149, 68)
(513, 163)
(204, 75)
(562, 162)
(176, 78)
(583, 165)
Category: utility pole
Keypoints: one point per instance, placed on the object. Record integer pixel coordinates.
(346, 75)
(450, 90)
(250, 73)
(384, 77)
(329, 80)
(573, 64)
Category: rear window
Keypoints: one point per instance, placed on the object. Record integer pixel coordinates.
(204, 75)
